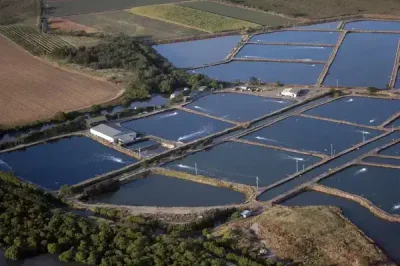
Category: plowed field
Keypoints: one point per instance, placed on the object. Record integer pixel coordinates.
(31, 89)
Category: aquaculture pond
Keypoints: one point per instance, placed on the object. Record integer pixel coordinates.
(309, 134)
(384, 233)
(373, 25)
(266, 72)
(394, 124)
(237, 106)
(377, 184)
(360, 110)
(393, 150)
(322, 26)
(198, 53)
(177, 126)
(157, 190)
(64, 161)
(364, 59)
(156, 100)
(397, 83)
(308, 53)
(325, 168)
(297, 37)
(380, 160)
(243, 163)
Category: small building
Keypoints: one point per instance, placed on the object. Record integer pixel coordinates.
(246, 213)
(203, 88)
(289, 93)
(114, 133)
(94, 121)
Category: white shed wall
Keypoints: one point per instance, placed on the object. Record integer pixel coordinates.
(101, 135)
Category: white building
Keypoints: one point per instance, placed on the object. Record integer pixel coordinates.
(114, 134)
(289, 93)
(246, 213)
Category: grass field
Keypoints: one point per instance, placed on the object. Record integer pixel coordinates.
(12, 11)
(245, 14)
(194, 18)
(31, 89)
(115, 22)
(32, 40)
(321, 8)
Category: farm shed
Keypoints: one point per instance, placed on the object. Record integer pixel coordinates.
(114, 134)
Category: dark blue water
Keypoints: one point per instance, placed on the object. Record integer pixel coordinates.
(42, 260)
(310, 53)
(323, 26)
(237, 107)
(364, 59)
(157, 190)
(394, 124)
(360, 110)
(397, 83)
(382, 160)
(377, 184)
(267, 72)
(298, 37)
(156, 100)
(243, 163)
(311, 135)
(393, 150)
(65, 161)
(198, 53)
(373, 25)
(272, 193)
(177, 126)
(385, 234)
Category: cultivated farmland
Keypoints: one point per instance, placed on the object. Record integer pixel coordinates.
(31, 89)
(32, 40)
(115, 22)
(194, 18)
(258, 17)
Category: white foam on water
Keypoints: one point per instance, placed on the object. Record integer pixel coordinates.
(202, 109)
(395, 207)
(266, 139)
(350, 100)
(273, 101)
(313, 65)
(185, 166)
(200, 132)
(288, 157)
(307, 60)
(101, 157)
(6, 165)
(168, 115)
(362, 170)
(372, 120)
(363, 132)
(306, 47)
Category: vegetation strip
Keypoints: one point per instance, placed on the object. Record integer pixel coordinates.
(193, 18)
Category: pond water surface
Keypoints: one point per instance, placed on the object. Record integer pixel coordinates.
(373, 25)
(311, 135)
(377, 184)
(243, 163)
(363, 60)
(322, 26)
(381, 160)
(157, 190)
(393, 150)
(298, 37)
(360, 110)
(310, 53)
(394, 124)
(267, 72)
(237, 106)
(384, 233)
(65, 161)
(198, 53)
(177, 126)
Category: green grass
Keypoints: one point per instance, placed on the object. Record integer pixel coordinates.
(254, 16)
(193, 18)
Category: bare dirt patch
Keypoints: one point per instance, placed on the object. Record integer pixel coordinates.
(31, 89)
(62, 24)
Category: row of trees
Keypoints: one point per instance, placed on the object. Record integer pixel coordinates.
(33, 222)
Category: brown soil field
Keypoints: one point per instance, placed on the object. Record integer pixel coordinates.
(62, 24)
(314, 9)
(31, 89)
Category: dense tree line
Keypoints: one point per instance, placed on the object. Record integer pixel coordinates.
(149, 71)
(33, 222)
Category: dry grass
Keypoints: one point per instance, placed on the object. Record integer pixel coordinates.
(12, 11)
(317, 236)
(62, 24)
(193, 18)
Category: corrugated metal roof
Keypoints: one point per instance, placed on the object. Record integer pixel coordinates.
(111, 131)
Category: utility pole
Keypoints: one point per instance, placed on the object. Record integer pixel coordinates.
(363, 136)
(337, 82)
(139, 153)
(297, 166)
(195, 168)
(257, 182)
(331, 149)
(303, 167)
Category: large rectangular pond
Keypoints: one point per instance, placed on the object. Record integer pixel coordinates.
(363, 60)
(360, 110)
(198, 53)
(243, 163)
(310, 53)
(322, 26)
(325, 168)
(237, 106)
(298, 37)
(157, 190)
(384, 233)
(373, 25)
(394, 124)
(381, 160)
(65, 161)
(156, 100)
(177, 126)
(309, 134)
(377, 184)
(267, 72)
(393, 150)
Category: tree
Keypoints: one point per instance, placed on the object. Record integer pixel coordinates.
(13, 253)
(253, 81)
(66, 190)
(279, 84)
(53, 248)
(60, 117)
(372, 90)
(67, 255)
